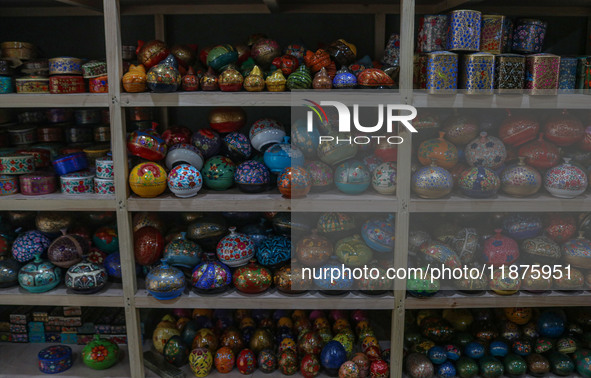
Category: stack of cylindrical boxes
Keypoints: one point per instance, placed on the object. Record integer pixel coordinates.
(495, 54)
(66, 325)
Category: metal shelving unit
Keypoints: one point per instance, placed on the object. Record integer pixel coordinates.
(132, 296)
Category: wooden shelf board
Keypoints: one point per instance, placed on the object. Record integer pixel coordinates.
(201, 98)
(19, 360)
(110, 296)
(58, 202)
(540, 202)
(452, 299)
(74, 100)
(515, 101)
(234, 200)
(271, 299)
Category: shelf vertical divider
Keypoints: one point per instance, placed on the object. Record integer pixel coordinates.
(118, 139)
(160, 34)
(403, 175)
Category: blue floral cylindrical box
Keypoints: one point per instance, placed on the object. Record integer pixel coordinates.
(528, 36)
(55, 359)
(478, 73)
(567, 76)
(442, 72)
(464, 31)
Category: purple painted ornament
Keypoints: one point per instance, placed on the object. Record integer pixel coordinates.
(29, 244)
(207, 141)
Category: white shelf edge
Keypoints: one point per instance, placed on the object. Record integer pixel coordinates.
(58, 202)
(48, 100)
(110, 296)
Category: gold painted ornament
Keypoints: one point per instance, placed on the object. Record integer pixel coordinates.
(209, 81)
(276, 82)
(322, 80)
(254, 82)
(230, 80)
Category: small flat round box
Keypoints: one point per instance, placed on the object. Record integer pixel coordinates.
(8, 185)
(55, 359)
(104, 186)
(38, 183)
(77, 183)
(66, 84)
(16, 164)
(94, 69)
(32, 84)
(65, 65)
(70, 163)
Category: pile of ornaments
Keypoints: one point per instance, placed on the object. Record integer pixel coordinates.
(495, 342)
(256, 65)
(337, 342)
(221, 156)
(518, 157)
(210, 257)
(39, 251)
(553, 240)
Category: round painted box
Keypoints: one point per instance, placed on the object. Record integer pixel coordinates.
(98, 84)
(94, 69)
(23, 134)
(104, 167)
(70, 163)
(87, 116)
(104, 186)
(8, 185)
(55, 359)
(66, 84)
(38, 183)
(16, 164)
(65, 65)
(77, 183)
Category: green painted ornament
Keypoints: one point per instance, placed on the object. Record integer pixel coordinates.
(514, 365)
(422, 287)
(566, 345)
(561, 364)
(466, 367)
(347, 340)
(353, 252)
(490, 367)
(221, 56)
(100, 354)
(543, 344)
(299, 79)
(583, 362)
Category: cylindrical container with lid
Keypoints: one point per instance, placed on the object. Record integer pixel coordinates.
(104, 186)
(38, 183)
(464, 30)
(14, 164)
(541, 76)
(8, 184)
(491, 34)
(509, 73)
(77, 183)
(432, 33)
(70, 163)
(567, 76)
(95, 152)
(102, 133)
(87, 116)
(55, 359)
(104, 167)
(23, 134)
(6, 84)
(583, 62)
(59, 115)
(442, 72)
(18, 50)
(477, 73)
(50, 134)
(65, 65)
(94, 69)
(41, 156)
(520, 180)
(32, 84)
(528, 36)
(66, 84)
(79, 134)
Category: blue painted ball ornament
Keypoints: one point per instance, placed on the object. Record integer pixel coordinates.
(352, 177)
(336, 286)
(453, 352)
(235, 249)
(378, 234)
(237, 146)
(165, 282)
(252, 177)
(39, 276)
(498, 348)
(333, 355)
(184, 181)
(551, 323)
(446, 370)
(207, 141)
(306, 141)
(29, 244)
(274, 251)
(474, 350)
(283, 155)
(437, 355)
(479, 182)
(522, 226)
(211, 276)
(344, 79)
(9, 272)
